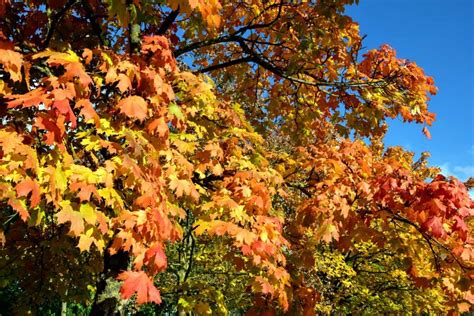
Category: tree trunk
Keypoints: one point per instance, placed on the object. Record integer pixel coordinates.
(63, 309)
(113, 265)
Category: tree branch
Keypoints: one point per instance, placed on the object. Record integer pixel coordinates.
(262, 25)
(93, 19)
(254, 57)
(226, 64)
(191, 255)
(55, 20)
(201, 44)
(303, 189)
(429, 238)
(170, 18)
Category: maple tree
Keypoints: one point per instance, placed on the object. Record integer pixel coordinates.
(216, 157)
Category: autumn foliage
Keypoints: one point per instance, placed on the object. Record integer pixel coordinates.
(217, 157)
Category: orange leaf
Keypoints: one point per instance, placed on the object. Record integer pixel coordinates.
(16, 205)
(88, 111)
(134, 107)
(11, 62)
(25, 187)
(139, 282)
(157, 257)
(67, 214)
(124, 83)
(426, 132)
(159, 126)
(87, 55)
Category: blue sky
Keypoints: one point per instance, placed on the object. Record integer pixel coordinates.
(438, 35)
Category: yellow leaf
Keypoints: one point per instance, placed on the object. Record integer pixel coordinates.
(88, 213)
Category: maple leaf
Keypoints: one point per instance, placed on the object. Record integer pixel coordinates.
(147, 178)
(124, 83)
(159, 262)
(25, 187)
(87, 54)
(88, 111)
(19, 207)
(85, 242)
(264, 286)
(67, 214)
(88, 213)
(134, 107)
(183, 186)
(158, 125)
(29, 99)
(175, 110)
(86, 191)
(245, 237)
(12, 62)
(435, 224)
(138, 282)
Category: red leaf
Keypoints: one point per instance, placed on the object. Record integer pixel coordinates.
(461, 227)
(54, 127)
(140, 283)
(134, 107)
(436, 226)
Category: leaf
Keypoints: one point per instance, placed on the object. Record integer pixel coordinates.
(88, 213)
(18, 206)
(67, 214)
(25, 187)
(140, 283)
(12, 62)
(157, 257)
(263, 285)
(86, 191)
(88, 111)
(426, 132)
(158, 126)
(87, 54)
(435, 225)
(85, 242)
(124, 83)
(328, 232)
(134, 107)
(175, 110)
(182, 187)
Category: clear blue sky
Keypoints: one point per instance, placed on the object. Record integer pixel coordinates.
(438, 35)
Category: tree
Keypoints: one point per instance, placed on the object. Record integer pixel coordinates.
(218, 156)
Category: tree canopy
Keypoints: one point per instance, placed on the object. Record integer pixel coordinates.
(218, 157)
